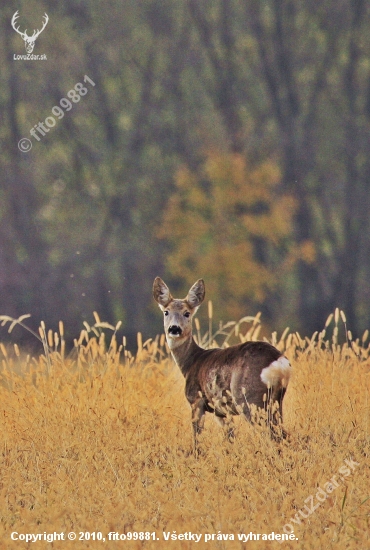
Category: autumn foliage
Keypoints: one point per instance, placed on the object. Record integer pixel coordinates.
(227, 222)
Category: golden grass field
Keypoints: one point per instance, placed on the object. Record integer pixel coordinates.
(100, 442)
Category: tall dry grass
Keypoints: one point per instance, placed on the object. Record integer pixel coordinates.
(100, 441)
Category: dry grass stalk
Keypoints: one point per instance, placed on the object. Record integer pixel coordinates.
(100, 441)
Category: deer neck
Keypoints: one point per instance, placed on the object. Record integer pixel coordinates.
(184, 353)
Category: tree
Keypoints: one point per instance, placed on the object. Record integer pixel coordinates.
(228, 223)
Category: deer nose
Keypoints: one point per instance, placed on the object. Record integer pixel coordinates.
(175, 330)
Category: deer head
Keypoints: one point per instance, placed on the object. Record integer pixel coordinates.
(178, 314)
(29, 41)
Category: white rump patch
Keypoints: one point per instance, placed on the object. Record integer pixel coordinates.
(277, 374)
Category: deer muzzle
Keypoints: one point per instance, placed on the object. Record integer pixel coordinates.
(174, 330)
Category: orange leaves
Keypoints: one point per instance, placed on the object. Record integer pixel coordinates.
(227, 223)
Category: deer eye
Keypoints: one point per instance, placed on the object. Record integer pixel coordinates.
(187, 314)
(165, 312)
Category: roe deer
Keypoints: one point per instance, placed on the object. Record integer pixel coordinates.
(226, 381)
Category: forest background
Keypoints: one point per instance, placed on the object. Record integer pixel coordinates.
(223, 139)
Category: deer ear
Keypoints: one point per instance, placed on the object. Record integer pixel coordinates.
(196, 294)
(161, 292)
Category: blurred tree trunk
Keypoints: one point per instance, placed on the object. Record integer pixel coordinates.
(24, 271)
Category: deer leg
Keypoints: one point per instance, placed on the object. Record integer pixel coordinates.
(228, 427)
(276, 417)
(256, 410)
(268, 411)
(197, 419)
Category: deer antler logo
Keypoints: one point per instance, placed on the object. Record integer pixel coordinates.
(29, 41)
